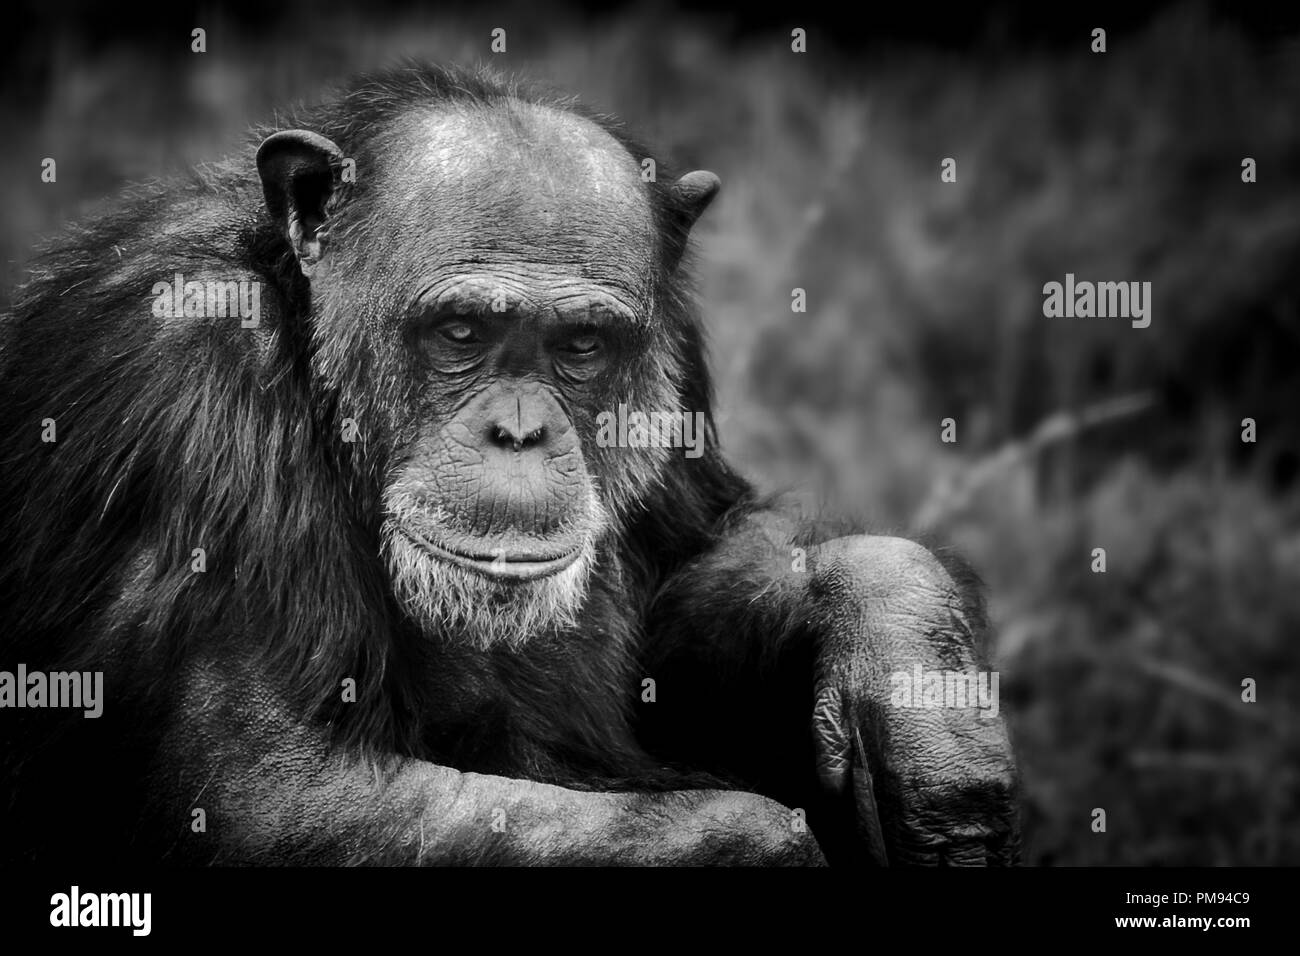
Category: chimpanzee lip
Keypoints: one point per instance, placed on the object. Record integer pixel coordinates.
(517, 565)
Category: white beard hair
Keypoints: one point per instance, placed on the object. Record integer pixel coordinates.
(446, 599)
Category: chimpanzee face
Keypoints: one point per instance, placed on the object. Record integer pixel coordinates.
(512, 262)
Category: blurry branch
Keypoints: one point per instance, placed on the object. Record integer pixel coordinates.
(955, 492)
(1276, 714)
(1188, 680)
(1198, 761)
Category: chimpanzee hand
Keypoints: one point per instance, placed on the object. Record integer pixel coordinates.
(931, 781)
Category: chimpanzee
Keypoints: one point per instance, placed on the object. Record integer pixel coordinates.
(373, 472)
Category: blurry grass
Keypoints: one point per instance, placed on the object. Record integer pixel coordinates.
(924, 302)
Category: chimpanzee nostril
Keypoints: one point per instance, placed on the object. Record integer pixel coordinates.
(517, 440)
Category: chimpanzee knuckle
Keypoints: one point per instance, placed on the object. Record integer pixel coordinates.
(746, 829)
(880, 567)
(961, 808)
(786, 840)
(985, 795)
(798, 849)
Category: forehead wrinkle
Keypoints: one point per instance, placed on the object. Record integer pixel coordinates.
(530, 189)
(524, 149)
(476, 294)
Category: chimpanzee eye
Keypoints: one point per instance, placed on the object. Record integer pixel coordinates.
(461, 333)
(582, 345)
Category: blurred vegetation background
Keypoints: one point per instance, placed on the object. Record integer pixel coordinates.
(924, 302)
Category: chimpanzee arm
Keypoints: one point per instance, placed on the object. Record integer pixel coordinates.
(274, 791)
(777, 665)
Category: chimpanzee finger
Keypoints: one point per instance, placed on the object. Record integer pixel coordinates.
(868, 814)
(831, 736)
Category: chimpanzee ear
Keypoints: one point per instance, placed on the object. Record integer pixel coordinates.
(299, 171)
(691, 195)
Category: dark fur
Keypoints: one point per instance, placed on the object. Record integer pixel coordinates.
(174, 436)
(197, 433)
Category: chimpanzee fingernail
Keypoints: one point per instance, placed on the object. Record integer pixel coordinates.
(864, 792)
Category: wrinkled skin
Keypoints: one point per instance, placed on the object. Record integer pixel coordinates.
(892, 785)
(499, 580)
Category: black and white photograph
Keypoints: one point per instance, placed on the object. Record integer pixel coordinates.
(650, 435)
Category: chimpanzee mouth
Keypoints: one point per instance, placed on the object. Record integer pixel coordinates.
(500, 564)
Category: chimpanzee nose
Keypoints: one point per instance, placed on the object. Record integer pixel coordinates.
(517, 421)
